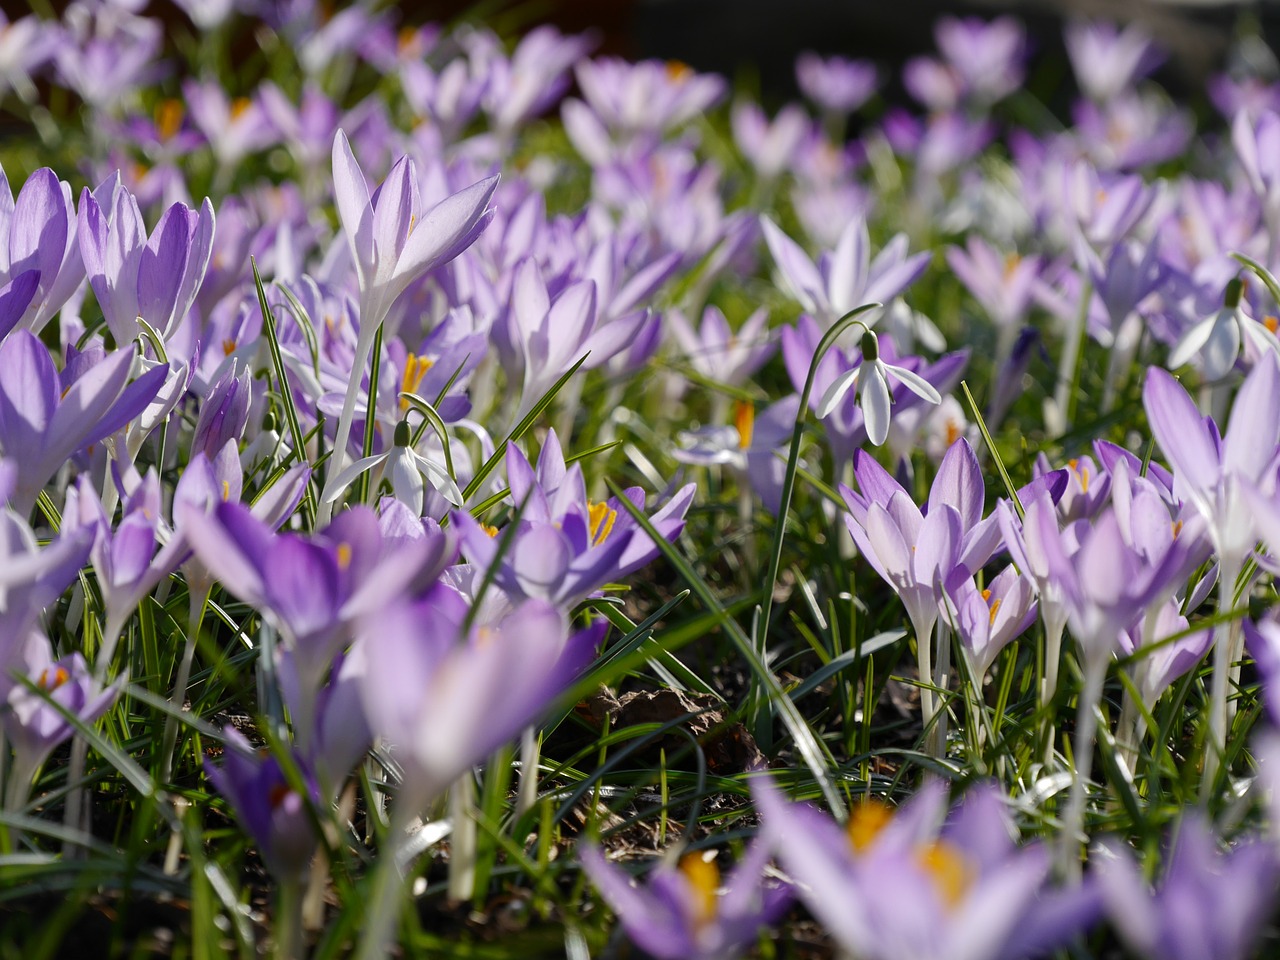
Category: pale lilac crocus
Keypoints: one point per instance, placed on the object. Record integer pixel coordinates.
(769, 146)
(751, 446)
(684, 912)
(1210, 903)
(1218, 476)
(847, 277)
(31, 678)
(1108, 61)
(905, 885)
(393, 243)
(717, 351)
(155, 278)
(39, 259)
(988, 620)
(42, 425)
(266, 804)
(837, 85)
(1002, 284)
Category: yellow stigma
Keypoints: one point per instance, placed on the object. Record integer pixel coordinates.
(228, 346)
(600, 518)
(954, 430)
(51, 683)
(415, 368)
(406, 39)
(1271, 323)
(866, 821)
(704, 879)
(277, 795)
(169, 115)
(1081, 471)
(744, 418)
(238, 106)
(948, 869)
(226, 490)
(995, 607)
(1011, 262)
(489, 529)
(344, 556)
(678, 72)
(1177, 528)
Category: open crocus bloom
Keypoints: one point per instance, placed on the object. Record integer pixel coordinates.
(684, 913)
(902, 885)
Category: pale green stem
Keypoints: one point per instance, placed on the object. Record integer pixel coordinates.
(195, 617)
(288, 921)
(462, 839)
(385, 902)
(1083, 741)
(1216, 743)
(530, 755)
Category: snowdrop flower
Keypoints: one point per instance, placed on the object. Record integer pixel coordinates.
(1217, 340)
(405, 467)
(873, 388)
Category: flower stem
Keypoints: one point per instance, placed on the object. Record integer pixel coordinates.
(1216, 743)
(1083, 741)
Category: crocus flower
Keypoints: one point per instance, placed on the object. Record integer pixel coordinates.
(988, 620)
(1001, 284)
(905, 886)
(41, 424)
(39, 260)
(750, 447)
(716, 351)
(1210, 903)
(835, 84)
(267, 806)
(768, 147)
(846, 278)
(32, 577)
(684, 913)
(565, 546)
(391, 249)
(444, 698)
(1107, 61)
(133, 275)
(34, 726)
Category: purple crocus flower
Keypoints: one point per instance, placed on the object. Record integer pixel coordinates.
(39, 260)
(1003, 285)
(846, 278)
(31, 724)
(566, 547)
(313, 588)
(234, 128)
(905, 885)
(768, 146)
(444, 698)
(645, 97)
(1210, 903)
(683, 913)
(716, 351)
(1108, 61)
(133, 275)
(988, 620)
(750, 447)
(393, 242)
(268, 808)
(41, 424)
(837, 85)
(32, 577)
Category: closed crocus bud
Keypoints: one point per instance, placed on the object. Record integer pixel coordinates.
(267, 806)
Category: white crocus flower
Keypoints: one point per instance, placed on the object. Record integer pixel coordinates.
(872, 379)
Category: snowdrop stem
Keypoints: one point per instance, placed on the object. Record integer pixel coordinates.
(1086, 735)
(1216, 742)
